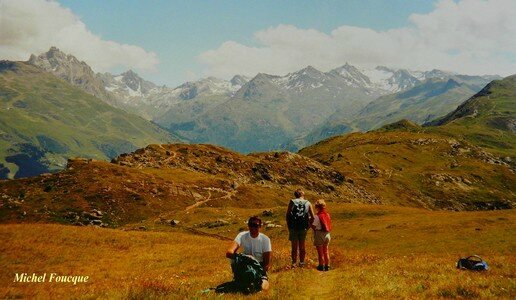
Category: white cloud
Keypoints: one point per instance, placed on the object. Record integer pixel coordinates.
(33, 26)
(469, 36)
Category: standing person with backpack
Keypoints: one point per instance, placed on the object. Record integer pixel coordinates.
(322, 227)
(299, 217)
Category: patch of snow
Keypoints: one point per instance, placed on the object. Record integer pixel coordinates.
(111, 87)
(418, 74)
(282, 81)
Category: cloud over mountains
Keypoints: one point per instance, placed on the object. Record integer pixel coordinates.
(471, 37)
(32, 26)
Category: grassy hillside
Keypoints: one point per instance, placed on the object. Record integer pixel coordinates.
(400, 167)
(44, 121)
(376, 252)
(487, 119)
(420, 104)
(403, 166)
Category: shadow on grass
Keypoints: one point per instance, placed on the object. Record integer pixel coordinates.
(231, 287)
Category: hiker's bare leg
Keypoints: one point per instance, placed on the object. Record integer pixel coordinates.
(326, 255)
(265, 285)
(320, 255)
(302, 251)
(295, 245)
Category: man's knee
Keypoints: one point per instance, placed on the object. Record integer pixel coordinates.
(265, 285)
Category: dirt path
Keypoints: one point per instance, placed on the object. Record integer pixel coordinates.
(228, 195)
(171, 157)
(199, 202)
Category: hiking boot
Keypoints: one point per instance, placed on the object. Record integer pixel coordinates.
(326, 268)
(320, 268)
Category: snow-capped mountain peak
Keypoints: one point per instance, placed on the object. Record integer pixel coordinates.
(135, 82)
(238, 80)
(302, 80)
(380, 79)
(353, 76)
(210, 86)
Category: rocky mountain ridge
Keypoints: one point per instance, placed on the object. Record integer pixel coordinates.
(281, 108)
(73, 71)
(130, 90)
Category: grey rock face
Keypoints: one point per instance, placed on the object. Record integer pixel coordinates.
(70, 69)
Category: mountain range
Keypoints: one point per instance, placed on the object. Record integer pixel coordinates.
(95, 112)
(427, 100)
(274, 112)
(270, 110)
(437, 166)
(128, 90)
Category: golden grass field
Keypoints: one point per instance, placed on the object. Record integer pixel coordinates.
(376, 251)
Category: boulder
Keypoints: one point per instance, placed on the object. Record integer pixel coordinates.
(268, 213)
(96, 222)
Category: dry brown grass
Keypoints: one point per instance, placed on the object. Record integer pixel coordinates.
(377, 252)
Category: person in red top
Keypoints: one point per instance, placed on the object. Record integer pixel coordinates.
(322, 227)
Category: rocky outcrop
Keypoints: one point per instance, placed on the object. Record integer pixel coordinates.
(283, 168)
(73, 71)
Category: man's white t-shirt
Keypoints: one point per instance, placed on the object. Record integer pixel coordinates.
(254, 246)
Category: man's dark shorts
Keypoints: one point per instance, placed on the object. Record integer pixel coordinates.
(297, 234)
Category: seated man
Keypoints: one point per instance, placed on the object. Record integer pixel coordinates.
(254, 244)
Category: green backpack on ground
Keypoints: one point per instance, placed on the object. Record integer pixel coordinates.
(247, 276)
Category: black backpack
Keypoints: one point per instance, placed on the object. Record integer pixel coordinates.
(248, 274)
(473, 262)
(298, 217)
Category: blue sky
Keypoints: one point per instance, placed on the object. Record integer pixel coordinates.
(178, 31)
(170, 42)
